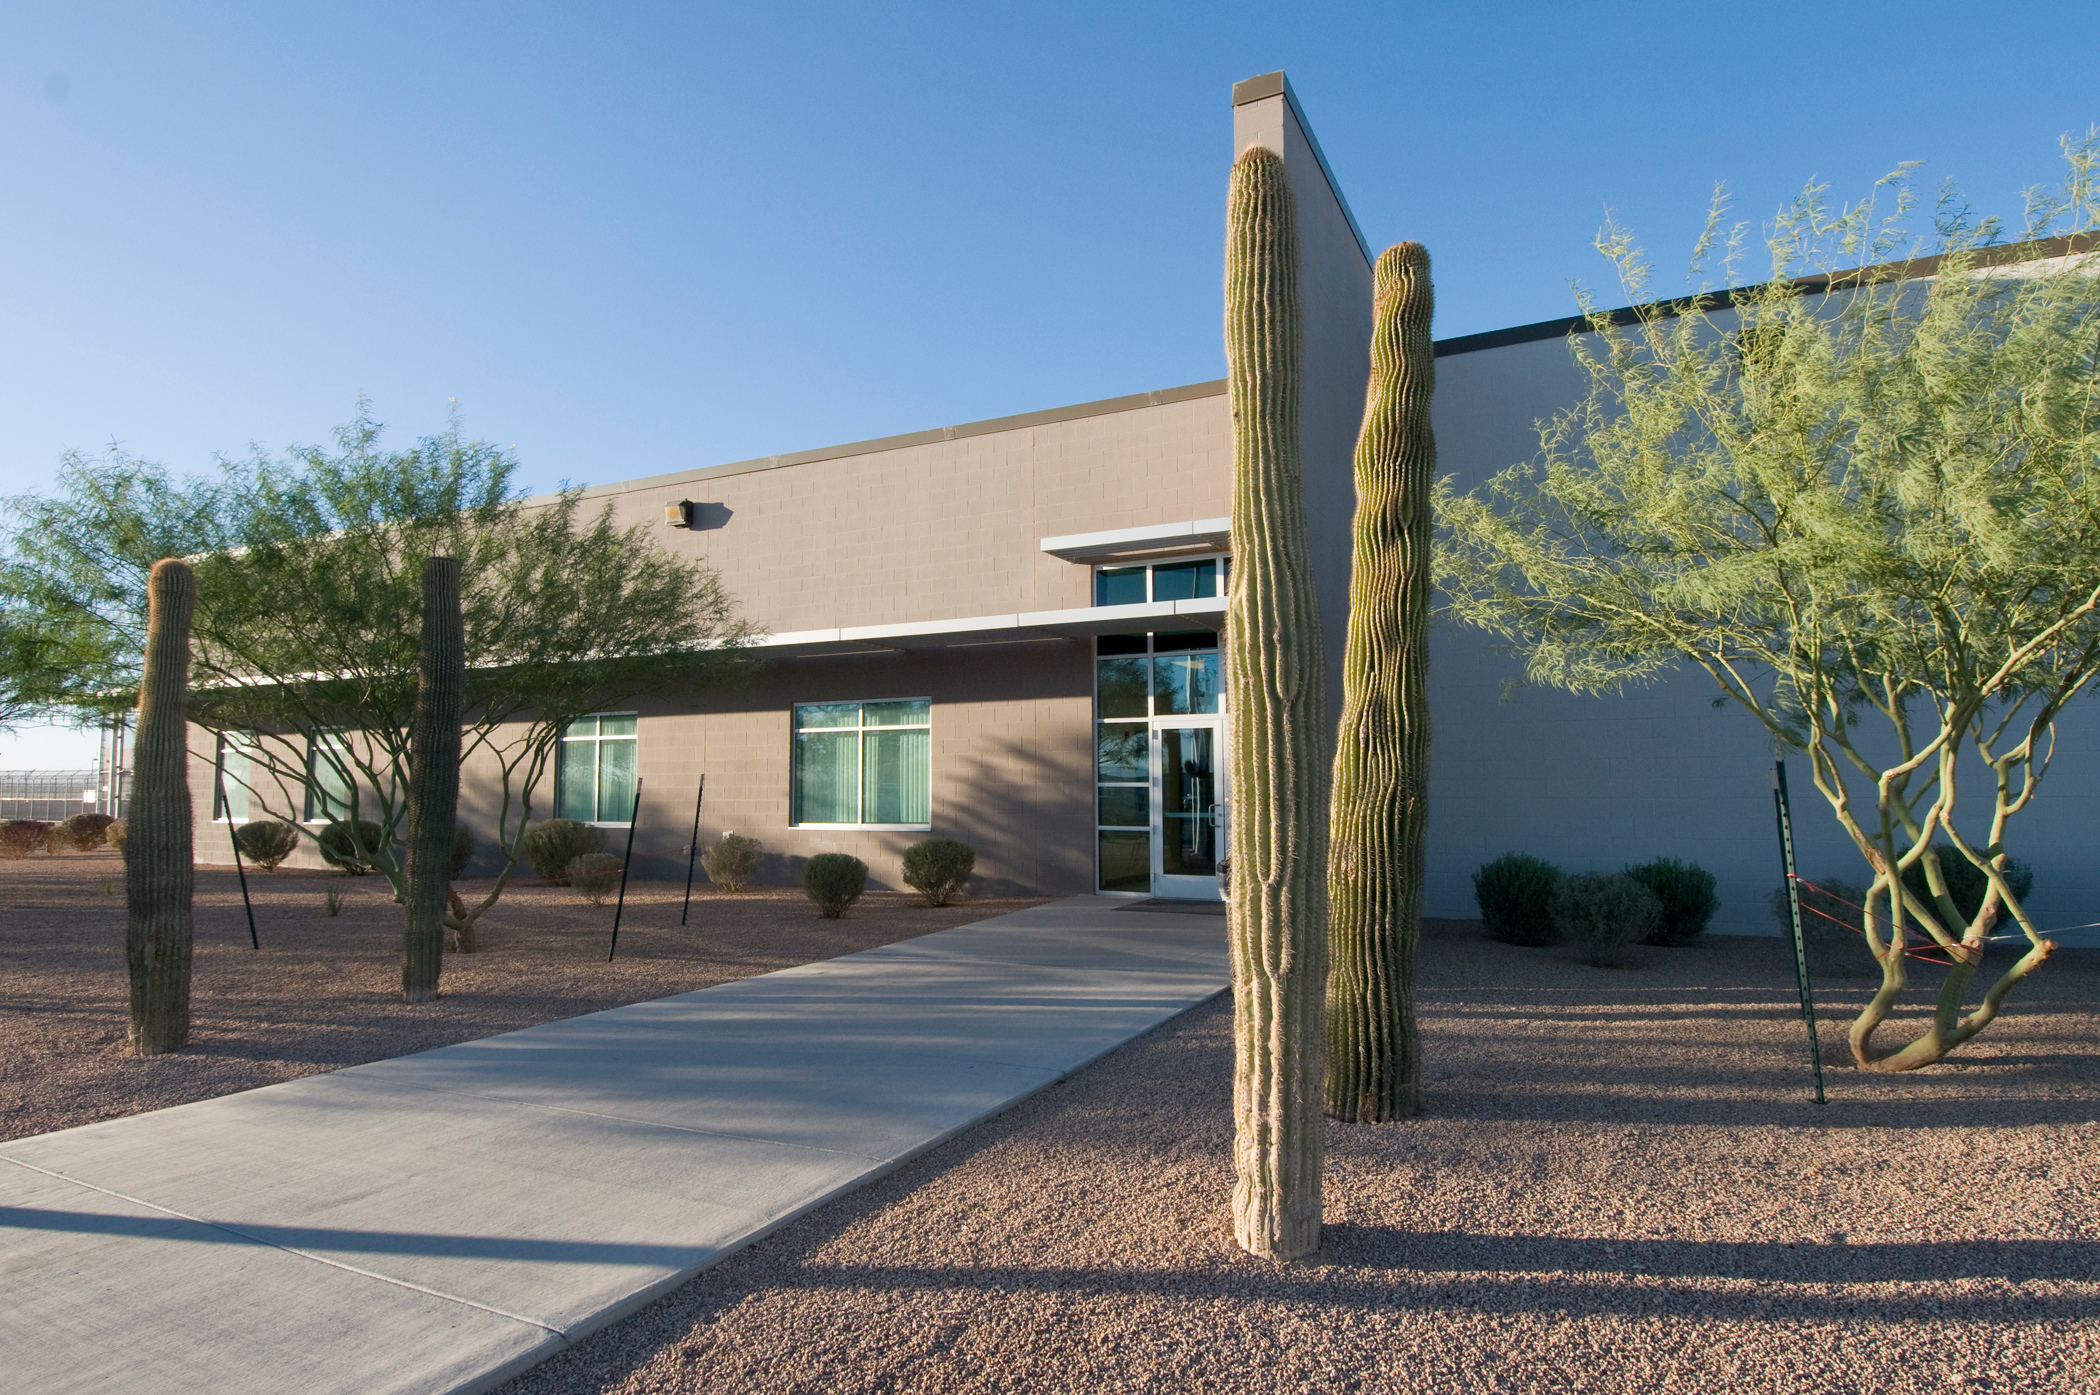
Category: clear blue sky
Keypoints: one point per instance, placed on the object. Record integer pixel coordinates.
(635, 238)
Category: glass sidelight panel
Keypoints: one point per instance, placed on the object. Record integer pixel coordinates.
(1125, 806)
(1185, 684)
(1124, 751)
(1188, 787)
(1122, 687)
(1126, 860)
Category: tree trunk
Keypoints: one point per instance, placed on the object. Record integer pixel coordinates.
(158, 866)
(1381, 754)
(1276, 700)
(433, 779)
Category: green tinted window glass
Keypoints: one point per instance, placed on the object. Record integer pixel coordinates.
(615, 781)
(812, 715)
(1126, 861)
(827, 777)
(1184, 581)
(895, 776)
(1125, 751)
(914, 713)
(234, 777)
(329, 792)
(1119, 586)
(1122, 687)
(1125, 806)
(1184, 684)
(616, 726)
(576, 782)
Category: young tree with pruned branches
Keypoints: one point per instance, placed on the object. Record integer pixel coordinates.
(310, 597)
(1864, 497)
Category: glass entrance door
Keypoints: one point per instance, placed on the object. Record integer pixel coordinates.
(1188, 831)
(1160, 793)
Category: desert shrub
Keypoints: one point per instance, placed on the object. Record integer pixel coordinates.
(1605, 914)
(551, 846)
(1966, 884)
(834, 881)
(462, 848)
(267, 842)
(596, 875)
(21, 837)
(353, 850)
(82, 832)
(1515, 893)
(114, 834)
(732, 862)
(1686, 891)
(938, 868)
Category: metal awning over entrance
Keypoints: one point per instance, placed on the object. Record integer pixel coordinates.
(980, 631)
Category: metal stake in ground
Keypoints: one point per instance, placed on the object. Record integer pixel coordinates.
(1793, 901)
(232, 836)
(632, 819)
(692, 851)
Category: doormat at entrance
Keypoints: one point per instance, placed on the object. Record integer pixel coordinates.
(1162, 903)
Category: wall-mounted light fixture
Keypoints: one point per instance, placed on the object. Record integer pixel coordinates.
(680, 514)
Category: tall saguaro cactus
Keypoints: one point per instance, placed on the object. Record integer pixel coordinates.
(1381, 756)
(158, 870)
(1276, 694)
(433, 778)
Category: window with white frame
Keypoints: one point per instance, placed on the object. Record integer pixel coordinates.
(331, 778)
(236, 771)
(1185, 580)
(863, 764)
(594, 769)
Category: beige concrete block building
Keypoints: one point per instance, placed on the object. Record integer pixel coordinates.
(1006, 632)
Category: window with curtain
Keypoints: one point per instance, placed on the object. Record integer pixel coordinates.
(236, 767)
(594, 769)
(330, 777)
(864, 762)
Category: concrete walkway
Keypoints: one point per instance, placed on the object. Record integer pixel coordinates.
(440, 1222)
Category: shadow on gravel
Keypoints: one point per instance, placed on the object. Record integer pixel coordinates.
(1549, 1275)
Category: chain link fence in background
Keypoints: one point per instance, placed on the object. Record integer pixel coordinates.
(49, 795)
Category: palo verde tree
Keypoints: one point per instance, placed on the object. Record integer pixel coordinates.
(306, 639)
(1277, 693)
(1381, 753)
(1867, 503)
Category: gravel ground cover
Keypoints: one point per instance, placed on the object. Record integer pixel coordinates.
(325, 991)
(1619, 1184)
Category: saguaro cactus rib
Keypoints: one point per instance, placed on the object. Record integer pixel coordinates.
(1381, 759)
(158, 864)
(433, 778)
(1276, 697)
